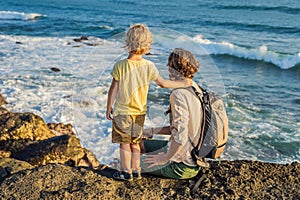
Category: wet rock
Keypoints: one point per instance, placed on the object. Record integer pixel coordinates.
(55, 69)
(77, 40)
(62, 149)
(84, 37)
(80, 39)
(92, 44)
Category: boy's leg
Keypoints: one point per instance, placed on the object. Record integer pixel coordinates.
(136, 151)
(125, 158)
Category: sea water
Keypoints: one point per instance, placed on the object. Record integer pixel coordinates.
(249, 54)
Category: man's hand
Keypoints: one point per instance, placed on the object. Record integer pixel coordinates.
(155, 160)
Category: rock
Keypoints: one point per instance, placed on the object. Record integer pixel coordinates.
(55, 181)
(83, 37)
(23, 126)
(5, 154)
(80, 39)
(55, 69)
(3, 111)
(2, 100)
(18, 130)
(77, 40)
(62, 149)
(10, 166)
(61, 129)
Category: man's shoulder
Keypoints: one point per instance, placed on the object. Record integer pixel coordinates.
(186, 91)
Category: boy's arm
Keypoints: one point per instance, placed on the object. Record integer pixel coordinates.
(112, 93)
(173, 84)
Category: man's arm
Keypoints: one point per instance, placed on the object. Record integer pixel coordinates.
(149, 132)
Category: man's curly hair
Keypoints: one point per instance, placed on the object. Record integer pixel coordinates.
(183, 62)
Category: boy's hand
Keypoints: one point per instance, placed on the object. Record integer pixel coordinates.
(187, 82)
(109, 113)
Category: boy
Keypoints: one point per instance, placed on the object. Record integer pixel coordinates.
(128, 90)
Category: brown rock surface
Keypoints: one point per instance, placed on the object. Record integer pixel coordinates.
(18, 130)
(61, 129)
(2, 100)
(225, 180)
(26, 137)
(62, 149)
(11, 166)
(15, 126)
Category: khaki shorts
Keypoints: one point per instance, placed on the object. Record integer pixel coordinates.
(127, 129)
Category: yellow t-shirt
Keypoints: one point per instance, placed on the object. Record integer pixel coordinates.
(134, 78)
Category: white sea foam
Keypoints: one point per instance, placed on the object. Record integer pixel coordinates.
(76, 94)
(9, 15)
(261, 53)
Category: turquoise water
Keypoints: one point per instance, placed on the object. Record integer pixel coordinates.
(252, 59)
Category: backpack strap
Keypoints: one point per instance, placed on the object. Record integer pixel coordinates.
(204, 100)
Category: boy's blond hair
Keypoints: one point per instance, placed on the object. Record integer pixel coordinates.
(138, 39)
(183, 62)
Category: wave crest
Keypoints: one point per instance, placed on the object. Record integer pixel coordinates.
(12, 15)
(284, 61)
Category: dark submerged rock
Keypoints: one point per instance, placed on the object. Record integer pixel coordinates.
(83, 37)
(55, 69)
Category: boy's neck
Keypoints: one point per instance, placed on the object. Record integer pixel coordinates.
(134, 57)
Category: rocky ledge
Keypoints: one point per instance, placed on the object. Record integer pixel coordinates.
(47, 161)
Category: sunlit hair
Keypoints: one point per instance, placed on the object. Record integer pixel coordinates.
(138, 39)
(184, 62)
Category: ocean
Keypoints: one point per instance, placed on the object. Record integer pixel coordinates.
(249, 53)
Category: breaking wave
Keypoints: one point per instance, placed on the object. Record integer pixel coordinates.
(262, 53)
(13, 15)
